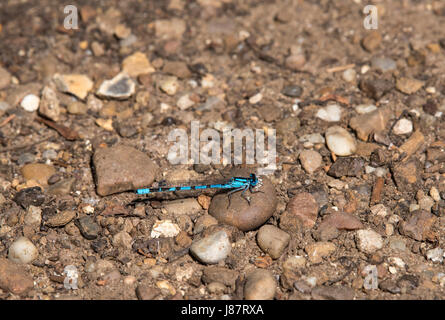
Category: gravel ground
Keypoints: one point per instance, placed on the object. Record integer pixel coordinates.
(355, 209)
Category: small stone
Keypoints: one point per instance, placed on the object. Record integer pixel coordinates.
(165, 229)
(30, 196)
(121, 87)
(33, 216)
(25, 158)
(426, 203)
(77, 108)
(30, 103)
(368, 241)
(50, 154)
(293, 91)
(38, 171)
(379, 210)
(435, 255)
(106, 124)
(147, 292)
(295, 61)
(203, 223)
(122, 240)
(434, 193)
(383, 64)
(407, 175)
(260, 285)
(183, 239)
(4, 106)
(330, 113)
(373, 122)
(49, 105)
(312, 138)
(408, 85)
(169, 85)
(256, 98)
(372, 41)
(177, 68)
(88, 227)
(170, 29)
(213, 248)
(301, 212)
(122, 168)
(122, 31)
(97, 48)
(397, 244)
(347, 167)
(14, 278)
(365, 108)
(340, 141)
(310, 160)
(5, 78)
(349, 75)
(403, 126)
(62, 187)
(319, 250)
(342, 221)
(22, 251)
(76, 84)
(185, 102)
(430, 107)
(375, 88)
(223, 275)
(418, 225)
(272, 240)
(332, 293)
(176, 208)
(61, 218)
(137, 64)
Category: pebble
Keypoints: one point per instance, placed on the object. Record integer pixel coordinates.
(379, 210)
(310, 160)
(347, 167)
(30, 196)
(332, 293)
(14, 278)
(407, 174)
(383, 64)
(122, 168)
(49, 105)
(203, 222)
(5, 78)
(88, 227)
(397, 244)
(177, 68)
(61, 188)
(33, 217)
(349, 75)
(330, 113)
(137, 64)
(365, 108)
(30, 103)
(212, 248)
(408, 85)
(435, 255)
(366, 124)
(256, 98)
(403, 126)
(368, 241)
(372, 41)
(121, 87)
(61, 218)
(165, 229)
(340, 141)
(376, 88)
(426, 203)
(295, 61)
(97, 48)
(76, 84)
(147, 292)
(240, 213)
(319, 250)
(301, 213)
(342, 221)
(418, 225)
(122, 31)
(122, 240)
(22, 251)
(185, 102)
(25, 158)
(169, 85)
(38, 171)
(223, 275)
(176, 208)
(272, 240)
(434, 193)
(313, 138)
(260, 285)
(293, 91)
(50, 154)
(169, 29)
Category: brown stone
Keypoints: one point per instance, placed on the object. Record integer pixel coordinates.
(301, 210)
(418, 226)
(369, 123)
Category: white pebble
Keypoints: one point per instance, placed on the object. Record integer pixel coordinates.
(164, 228)
(434, 193)
(70, 281)
(340, 141)
(30, 103)
(349, 75)
(403, 126)
(213, 248)
(185, 102)
(368, 241)
(365, 108)
(256, 98)
(22, 250)
(365, 69)
(435, 255)
(330, 113)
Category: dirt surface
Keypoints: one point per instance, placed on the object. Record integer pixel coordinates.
(239, 64)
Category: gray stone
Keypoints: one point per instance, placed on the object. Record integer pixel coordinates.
(212, 248)
(88, 227)
(272, 240)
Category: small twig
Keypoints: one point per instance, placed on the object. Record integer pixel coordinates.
(7, 120)
(341, 68)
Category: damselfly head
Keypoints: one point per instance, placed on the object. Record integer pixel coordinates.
(253, 180)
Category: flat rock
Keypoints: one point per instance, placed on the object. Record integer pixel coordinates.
(240, 213)
(383, 64)
(310, 160)
(137, 64)
(14, 279)
(301, 212)
(407, 175)
(88, 227)
(272, 240)
(319, 250)
(260, 285)
(408, 85)
(366, 124)
(121, 87)
(368, 241)
(347, 167)
(375, 88)
(122, 168)
(418, 226)
(38, 171)
(328, 228)
(76, 84)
